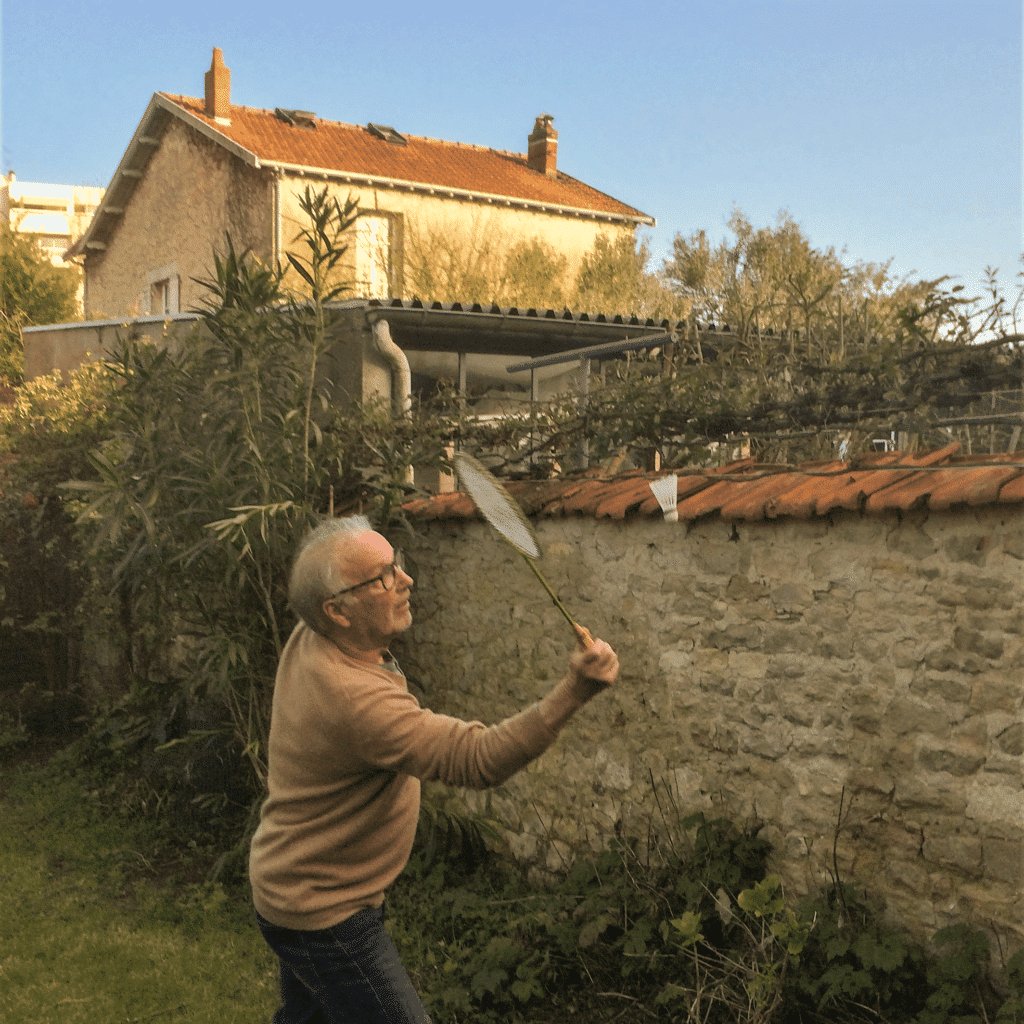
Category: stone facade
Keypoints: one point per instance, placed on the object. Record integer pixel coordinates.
(193, 193)
(772, 672)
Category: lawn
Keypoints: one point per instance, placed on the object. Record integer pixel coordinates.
(92, 929)
(107, 917)
(103, 920)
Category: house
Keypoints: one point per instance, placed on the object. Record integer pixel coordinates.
(197, 169)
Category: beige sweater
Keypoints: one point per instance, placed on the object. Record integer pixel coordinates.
(348, 747)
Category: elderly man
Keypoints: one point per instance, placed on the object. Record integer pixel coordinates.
(348, 747)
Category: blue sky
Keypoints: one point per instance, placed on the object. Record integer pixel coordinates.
(891, 129)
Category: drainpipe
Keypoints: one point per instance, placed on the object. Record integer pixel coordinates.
(401, 380)
(277, 219)
(582, 403)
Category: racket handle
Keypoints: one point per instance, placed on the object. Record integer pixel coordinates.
(583, 635)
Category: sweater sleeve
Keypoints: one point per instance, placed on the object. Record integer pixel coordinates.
(386, 728)
(379, 724)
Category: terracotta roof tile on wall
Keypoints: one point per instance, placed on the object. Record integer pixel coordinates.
(354, 149)
(800, 501)
(746, 491)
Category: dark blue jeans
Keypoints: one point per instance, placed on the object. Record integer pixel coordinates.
(348, 974)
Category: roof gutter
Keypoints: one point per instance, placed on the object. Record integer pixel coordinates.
(490, 198)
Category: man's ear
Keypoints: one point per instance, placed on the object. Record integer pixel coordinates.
(334, 611)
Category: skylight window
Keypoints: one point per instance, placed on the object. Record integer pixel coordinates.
(388, 134)
(296, 118)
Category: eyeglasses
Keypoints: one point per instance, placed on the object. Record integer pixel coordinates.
(387, 576)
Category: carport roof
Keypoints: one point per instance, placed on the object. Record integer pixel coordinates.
(502, 330)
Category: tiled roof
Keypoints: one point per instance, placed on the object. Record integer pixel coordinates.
(749, 491)
(355, 150)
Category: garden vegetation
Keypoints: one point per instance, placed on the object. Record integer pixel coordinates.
(150, 504)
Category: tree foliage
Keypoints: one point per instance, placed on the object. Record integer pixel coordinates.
(951, 371)
(32, 291)
(45, 435)
(772, 281)
(481, 263)
(614, 278)
(217, 457)
(213, 467)
(798, 357)
(208, 462)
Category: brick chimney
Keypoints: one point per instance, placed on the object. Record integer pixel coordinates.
(218, 88)
(543, 152)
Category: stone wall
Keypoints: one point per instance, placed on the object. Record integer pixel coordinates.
(770, 673)
(193, 193)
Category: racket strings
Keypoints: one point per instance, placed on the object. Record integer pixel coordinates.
(497, 506)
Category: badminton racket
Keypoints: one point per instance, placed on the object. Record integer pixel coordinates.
(503, 512)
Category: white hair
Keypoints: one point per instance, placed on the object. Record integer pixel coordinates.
(316, 574)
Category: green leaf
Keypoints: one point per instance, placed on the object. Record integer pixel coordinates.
(764, 899)
(688, 927)
(594, 929)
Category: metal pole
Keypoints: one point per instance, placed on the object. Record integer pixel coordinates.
(583, 394)
(534, 401)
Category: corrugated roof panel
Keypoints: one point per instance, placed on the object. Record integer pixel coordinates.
(455, 505)
(862, 484)
(802, 500)
(851, 491)
(890, 482)
(624, 499)
(907, 489)
(706, 501)
(685, 486)
(534, 495)
(587, 497)
(1013, 490)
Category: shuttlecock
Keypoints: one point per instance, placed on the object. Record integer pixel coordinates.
(666, 493)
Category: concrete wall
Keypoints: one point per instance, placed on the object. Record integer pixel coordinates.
(65, 347)
(766, 668)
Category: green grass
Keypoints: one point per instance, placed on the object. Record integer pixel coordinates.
(106, 918)
(92, 929)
